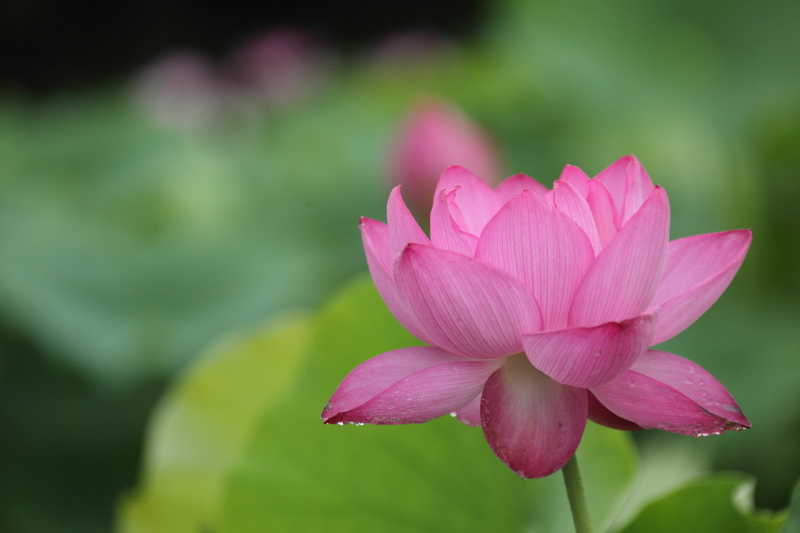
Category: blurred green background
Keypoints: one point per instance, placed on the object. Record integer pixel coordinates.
(144, 214)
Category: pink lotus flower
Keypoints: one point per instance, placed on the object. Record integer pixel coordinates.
(539, 307)
(435, 136)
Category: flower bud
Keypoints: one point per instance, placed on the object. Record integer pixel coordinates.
(436, 135)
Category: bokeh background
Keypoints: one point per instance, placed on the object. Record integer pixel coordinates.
(172, 171)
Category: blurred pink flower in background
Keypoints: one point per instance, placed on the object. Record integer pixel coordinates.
(281, 66)
(538, 307)
(181, 90)
(411, 49)
(434, 136)
(185, 90)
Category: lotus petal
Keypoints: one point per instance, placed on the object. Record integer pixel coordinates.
(543, 248)
(445, 232)
(669, 392)
(623, 279)
(569, 201)
(403, 229)
(588, 357)
(602, 207)
(629, 185)
(518, 183)
(409, 385)
(577, 178)
(533, 423)
(466, 306)
(599, 414)
(477, 202)
(378, 249)
(698, 270)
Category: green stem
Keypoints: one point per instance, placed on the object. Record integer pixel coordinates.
(576, 496)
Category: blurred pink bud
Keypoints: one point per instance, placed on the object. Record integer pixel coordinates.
(435, 136)
(406, 49)
(180, 91)
(281, 66)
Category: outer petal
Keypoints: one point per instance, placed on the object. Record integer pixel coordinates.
(467, 307)
(692, 380)
(518, 183)
(669, 392)
(628, 183)
(403, 229)
(406, 386)
(532, 423)
(577, 178)
(588, 357)
(476, 200)
(445, 233)
(602, 207)
(378, 248)
(569, 201)
(599, 414)
(623, 279)
(697, 271)
(543, 248)
(470, 414)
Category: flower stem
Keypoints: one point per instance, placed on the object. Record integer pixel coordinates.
(576, 496)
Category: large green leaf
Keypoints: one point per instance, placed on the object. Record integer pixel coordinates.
(716, 504)
(203, 424)
(793, 523)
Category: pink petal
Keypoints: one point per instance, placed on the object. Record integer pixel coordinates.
(476, 200)
(693, 381)
(569, 201)
(470, 414)
(541, 247)
(628, 183)
(664, 391)
(587, 357)
(697, 271)
(466, 306)
(577, 178)
(445, 233)
(518, 183)
(623, 279)
(377, 242)
(532, 423)
(403, 229)
(602, 207)
(409, 385)
(378, 248)
(599, 414)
